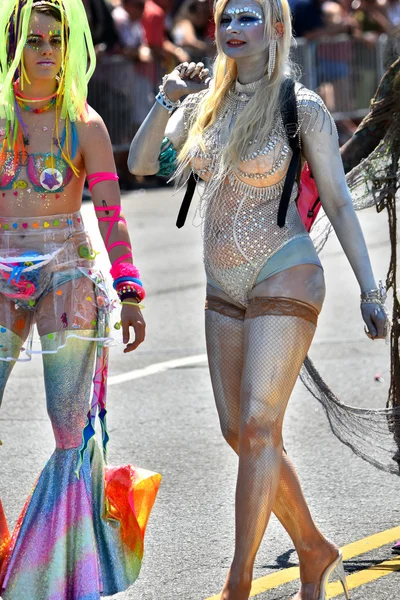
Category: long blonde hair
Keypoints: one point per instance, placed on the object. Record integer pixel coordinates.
(258, 118)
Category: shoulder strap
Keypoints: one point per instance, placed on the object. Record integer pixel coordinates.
(184, 209)
(290, 122)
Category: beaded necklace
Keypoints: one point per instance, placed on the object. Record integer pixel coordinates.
(37, 111)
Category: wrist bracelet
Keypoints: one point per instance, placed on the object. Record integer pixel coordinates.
(376, 296)
(166, 102)
(137, 304)
(129, 296)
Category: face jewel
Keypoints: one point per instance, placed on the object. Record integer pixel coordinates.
(239, 11)
(51, 179)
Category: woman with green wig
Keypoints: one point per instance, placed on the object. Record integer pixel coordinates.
(80, 534)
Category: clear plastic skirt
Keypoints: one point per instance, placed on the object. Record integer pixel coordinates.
(48, 279)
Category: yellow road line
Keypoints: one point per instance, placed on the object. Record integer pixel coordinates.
(365, 576)
(350, 551)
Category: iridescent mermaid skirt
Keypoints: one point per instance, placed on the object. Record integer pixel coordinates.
(81, 532)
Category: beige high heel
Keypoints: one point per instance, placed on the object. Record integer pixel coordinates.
(336, 565)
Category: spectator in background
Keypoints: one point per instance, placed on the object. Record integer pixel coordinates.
(392, 11)
(372, 19)
(131, 81)
(104, 35)
(309, 20)
(372, 23)
(128, 22)
(317, 20)
(154, 24)
(190, 30)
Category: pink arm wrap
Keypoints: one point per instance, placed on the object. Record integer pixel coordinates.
(96, 178)
(115, 218)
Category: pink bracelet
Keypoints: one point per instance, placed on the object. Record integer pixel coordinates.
(124, 269)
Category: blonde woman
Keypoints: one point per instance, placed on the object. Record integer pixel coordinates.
(265, 282)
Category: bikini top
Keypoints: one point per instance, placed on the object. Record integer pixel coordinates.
(46, 172)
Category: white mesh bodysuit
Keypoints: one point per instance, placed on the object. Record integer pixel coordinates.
(239, 209)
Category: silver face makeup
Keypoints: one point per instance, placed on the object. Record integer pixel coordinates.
(247, 16)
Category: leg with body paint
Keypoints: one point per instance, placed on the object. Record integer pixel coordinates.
(224, 333)
(56, 526)
(54, 551)
(14, 329)
(65, 546)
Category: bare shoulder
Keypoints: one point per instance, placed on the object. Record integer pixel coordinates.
(312, 112)
(92, 130)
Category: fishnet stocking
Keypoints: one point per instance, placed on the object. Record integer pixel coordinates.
(225, 334)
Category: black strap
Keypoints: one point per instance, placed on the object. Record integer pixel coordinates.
(290, 121)
(184, 209)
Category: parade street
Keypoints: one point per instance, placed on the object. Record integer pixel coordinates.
(162, 417)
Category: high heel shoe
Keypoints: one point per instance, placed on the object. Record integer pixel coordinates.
(336, 565)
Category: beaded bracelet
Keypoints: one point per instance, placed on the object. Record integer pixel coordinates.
(128, 287)
(166, 102)
(129, 296)
(376, 296)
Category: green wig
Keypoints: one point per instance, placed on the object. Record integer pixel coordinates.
(78, 62)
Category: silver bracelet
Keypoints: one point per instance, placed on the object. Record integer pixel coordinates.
(376, 296)
(166, 102)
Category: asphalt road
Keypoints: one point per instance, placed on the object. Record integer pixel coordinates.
(167, 422)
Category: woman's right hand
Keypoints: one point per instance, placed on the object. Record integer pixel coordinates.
(186, 78)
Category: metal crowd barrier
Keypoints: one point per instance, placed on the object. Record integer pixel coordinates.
(343, 70)
(122, 92)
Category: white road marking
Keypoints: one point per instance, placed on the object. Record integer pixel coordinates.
(157, 368)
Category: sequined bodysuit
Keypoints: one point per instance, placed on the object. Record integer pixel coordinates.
(243, 244)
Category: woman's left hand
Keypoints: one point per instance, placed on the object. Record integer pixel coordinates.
(132, 317)
(376, 319)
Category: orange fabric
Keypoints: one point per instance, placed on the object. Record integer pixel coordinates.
(4, 534)
(130, 495)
